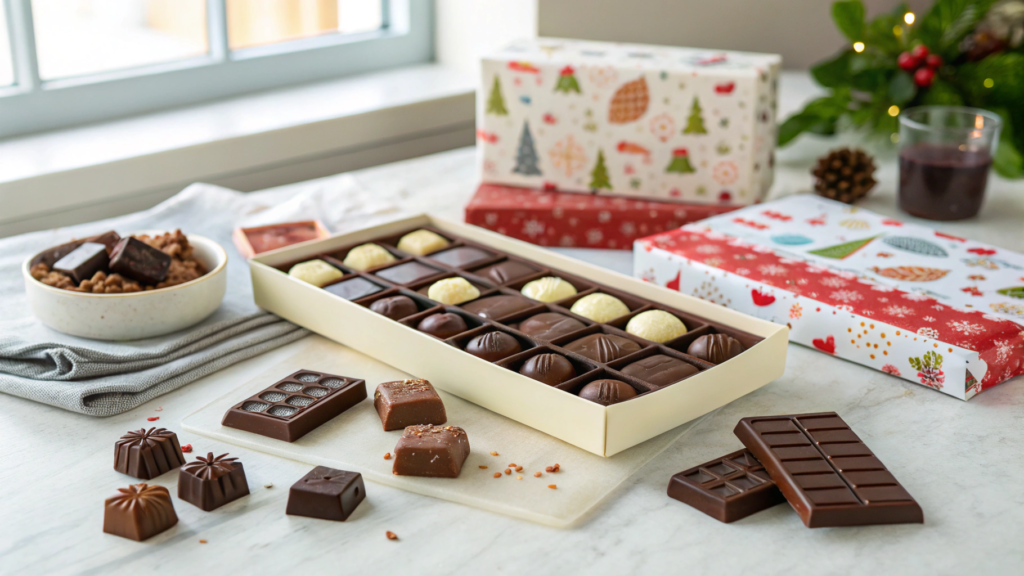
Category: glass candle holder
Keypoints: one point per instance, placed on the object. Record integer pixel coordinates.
(945, 156)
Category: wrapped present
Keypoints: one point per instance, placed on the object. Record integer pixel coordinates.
(928, 307)
(656, 122)
(580, 220)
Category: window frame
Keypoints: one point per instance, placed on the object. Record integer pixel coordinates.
(33, 105)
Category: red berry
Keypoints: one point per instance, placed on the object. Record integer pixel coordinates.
(908, 62)
(933, 61)
(924, 77)
(920, 52)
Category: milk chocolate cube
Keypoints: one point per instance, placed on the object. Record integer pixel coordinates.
(84, 261)
(212, 482)
(326, 493)
(408, 402)
(432, 451)
(146, 454)
(139, 261)
(138, 512)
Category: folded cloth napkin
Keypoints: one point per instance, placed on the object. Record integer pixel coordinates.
(105, 378)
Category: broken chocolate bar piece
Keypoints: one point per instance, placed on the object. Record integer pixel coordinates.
(139, 512)
(146, 454)
(432, 451)
(211, 482)
(826, 473)
(296, 405)
(139, 261)
(84, 261)
(326, 493)
(408, 402)
(727, 488)
(108, 239)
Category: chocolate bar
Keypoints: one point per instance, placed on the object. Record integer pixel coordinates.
(139, 512)
(297, 404)
(728, 488)
(826, 473)
(146, 454)
(211, 482)
(327, 494)
(408, 402)
(139, 261)
(84, 261)
(432, 451)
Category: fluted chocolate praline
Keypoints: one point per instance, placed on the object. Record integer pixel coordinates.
(146, 454)
(550, 369)
(395, 307)
(493, 346)
(443, 325)
(211, 482)
(606, 392)
(139, 512)
(603, 347)
(715, 348)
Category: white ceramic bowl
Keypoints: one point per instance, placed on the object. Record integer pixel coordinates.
(135, 315)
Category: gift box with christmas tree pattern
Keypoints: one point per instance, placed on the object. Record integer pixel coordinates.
(932, 308)
(655, 122)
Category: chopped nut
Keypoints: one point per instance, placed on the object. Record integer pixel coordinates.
(507, 471)
(519, 477)
(512, 465)
(202, 541)
(387, 455)
(549, 469)
(268, 486)
(519, 468)
(552, 486)
(391, 535)
(536, 474)
(497, 474)
(494, 453)
(483, 467)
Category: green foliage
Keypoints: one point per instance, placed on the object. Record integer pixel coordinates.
(864, 86)
(930, 361)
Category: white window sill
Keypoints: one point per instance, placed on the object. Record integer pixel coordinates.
(250, 142)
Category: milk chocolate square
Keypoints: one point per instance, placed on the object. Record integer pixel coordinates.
(432, 451)
(408, 402)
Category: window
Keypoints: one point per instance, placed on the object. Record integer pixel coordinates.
(68, 62)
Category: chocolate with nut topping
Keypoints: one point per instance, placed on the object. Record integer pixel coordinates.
(408, 402)
(432, 451)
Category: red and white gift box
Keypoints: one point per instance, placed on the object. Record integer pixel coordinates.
(931, 308)
(578, 220)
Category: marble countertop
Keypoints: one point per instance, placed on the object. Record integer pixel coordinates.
(961, 461)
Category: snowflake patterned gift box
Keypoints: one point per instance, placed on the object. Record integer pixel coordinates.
(932, 308)
(662, 123)
(578, 220)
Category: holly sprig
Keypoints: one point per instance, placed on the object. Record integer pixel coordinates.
(892, 65)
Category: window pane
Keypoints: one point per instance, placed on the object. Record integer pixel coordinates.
(76, 37)
(259, 22)
(6, 67)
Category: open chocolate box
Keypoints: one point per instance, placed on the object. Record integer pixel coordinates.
(340, 311)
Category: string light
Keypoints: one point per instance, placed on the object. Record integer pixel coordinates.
(858, 46)
(894, 138)
(894, 110)
(988, 83)
(897, 30)
(908, 17)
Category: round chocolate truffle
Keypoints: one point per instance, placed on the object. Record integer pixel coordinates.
(367, 256)
(549, 325)
(443, 325)
(548, 289)
(453, 291)
(607, 392)
(656, 325)
(550, 369)
(660, 370)
(493, 346)
(395, 307)
(715, 348)
(600, 307)
(603, 347)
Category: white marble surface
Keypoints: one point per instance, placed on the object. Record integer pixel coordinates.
(962, 461)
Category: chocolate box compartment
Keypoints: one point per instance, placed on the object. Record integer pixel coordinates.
(601, 430)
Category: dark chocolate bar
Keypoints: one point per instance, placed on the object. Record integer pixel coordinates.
(297, 404)
(146, 454)
(138, 512)
(408, 402)
(826, 473)
(211, 482)
(326, 493)
(84, 261)
(139, 261)
(727, 488)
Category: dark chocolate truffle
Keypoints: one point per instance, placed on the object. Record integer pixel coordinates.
(461, 257)
(395, 307)
(660, 370)
(550, 369)
(443, 325)
(493, 346)
(507, 271)
(715, 348)
(607, 392)
(408, 273)
(494, 307)
(353, 289)
(549, 325)
(603, 347)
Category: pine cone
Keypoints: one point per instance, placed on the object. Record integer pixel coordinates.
(845, 175)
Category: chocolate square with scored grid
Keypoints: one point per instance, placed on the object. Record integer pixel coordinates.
(825, 471)
(728, 488)
(296, 404)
